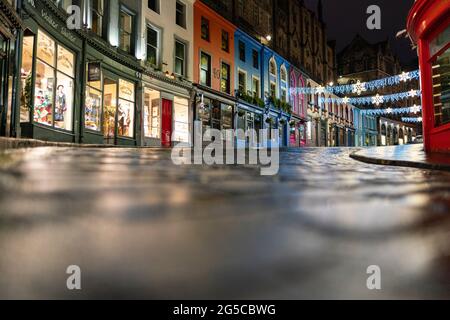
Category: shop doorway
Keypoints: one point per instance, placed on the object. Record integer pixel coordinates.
(166, 123)
(109, 111)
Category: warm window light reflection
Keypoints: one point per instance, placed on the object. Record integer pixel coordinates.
(181, 119)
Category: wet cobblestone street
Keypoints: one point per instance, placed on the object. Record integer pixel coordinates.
(141, 227)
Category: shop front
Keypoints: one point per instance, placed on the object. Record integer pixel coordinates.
(10, 24)
(248, 119)
(214, 111)
(429, 26)
(166, 113)
(50, 82)
(110, 112)
(297, 132)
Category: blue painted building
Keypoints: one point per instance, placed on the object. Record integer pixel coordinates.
(248, 84)
(366, 129)
(275, 78)
(260, 73)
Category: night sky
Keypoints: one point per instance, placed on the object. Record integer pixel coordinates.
(346, 18)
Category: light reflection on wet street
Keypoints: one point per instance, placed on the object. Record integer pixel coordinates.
(140, 227)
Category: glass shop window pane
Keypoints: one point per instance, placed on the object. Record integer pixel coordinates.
(66, 61)
(93, 108)
(181, 119)
(43, 93)
(151, 114)
(46, 49)
(64, 102)
(125, 118)
(126, 90)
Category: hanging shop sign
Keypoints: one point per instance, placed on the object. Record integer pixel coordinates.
(94, 71)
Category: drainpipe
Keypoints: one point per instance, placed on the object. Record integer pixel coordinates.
(15, 103)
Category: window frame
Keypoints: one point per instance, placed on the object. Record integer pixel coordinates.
(184, 14)
(228, 79)
(185, 65)
(158, 40)
(157, 8)
(255, 61)
(209, 72)
(242, 51)
(225, 40)
(124, 9)
(205, 22)
(258, 95)
(241, 71)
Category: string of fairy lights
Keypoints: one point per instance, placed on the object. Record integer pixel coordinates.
(377, 99)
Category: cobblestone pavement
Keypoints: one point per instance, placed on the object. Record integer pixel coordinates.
(140, 227)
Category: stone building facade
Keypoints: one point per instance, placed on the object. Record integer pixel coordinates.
(364, 61)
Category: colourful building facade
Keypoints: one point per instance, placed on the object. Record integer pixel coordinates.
(213, 63)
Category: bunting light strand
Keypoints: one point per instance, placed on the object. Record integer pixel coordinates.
(360, 87)
(412, 120)
(376, 112)
(376, 100)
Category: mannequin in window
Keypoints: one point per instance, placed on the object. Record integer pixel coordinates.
(61, 107)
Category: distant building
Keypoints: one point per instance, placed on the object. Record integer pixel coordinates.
(364, 61)
(289, 28)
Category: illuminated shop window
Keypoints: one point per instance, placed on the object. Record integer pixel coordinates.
(152, 100)
(54, 84)
(181, 119)
(125, 117)
(93, 105)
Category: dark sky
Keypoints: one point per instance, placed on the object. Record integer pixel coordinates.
(345, 18)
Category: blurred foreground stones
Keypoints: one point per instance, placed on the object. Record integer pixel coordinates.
(141, 227)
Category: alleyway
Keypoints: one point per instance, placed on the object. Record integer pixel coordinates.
(140, 227)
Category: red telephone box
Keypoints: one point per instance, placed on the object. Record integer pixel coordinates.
(166, 123)
(428, 26)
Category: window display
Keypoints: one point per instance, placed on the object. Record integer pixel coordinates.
(181, 119)
(109, 108)
(93, 104)
(125, 118)
(93, 109)
(64, 99)
(54, 84)
(43, 94)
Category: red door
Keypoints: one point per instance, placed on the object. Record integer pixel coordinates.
(166, 123)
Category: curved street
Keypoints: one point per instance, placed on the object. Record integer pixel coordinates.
(140, 227)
